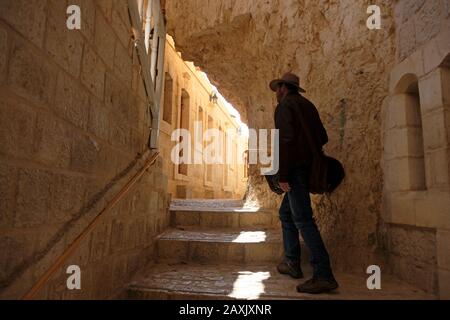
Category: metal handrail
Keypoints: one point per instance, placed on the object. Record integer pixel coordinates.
(78, 240)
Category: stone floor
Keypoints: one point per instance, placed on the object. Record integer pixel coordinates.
(196, 281)
(217, 249)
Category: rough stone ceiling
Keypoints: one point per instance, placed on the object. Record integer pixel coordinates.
(242, 44)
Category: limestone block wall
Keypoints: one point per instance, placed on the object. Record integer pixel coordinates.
(73, 124)
(187, 85)
(417, 23)
(343, 65)
(416, 157)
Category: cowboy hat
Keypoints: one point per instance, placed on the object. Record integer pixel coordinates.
(288, 78)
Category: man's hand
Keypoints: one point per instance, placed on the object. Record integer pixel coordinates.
(285, 186)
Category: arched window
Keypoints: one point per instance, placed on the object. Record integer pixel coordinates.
(403, 148)
(414, 130)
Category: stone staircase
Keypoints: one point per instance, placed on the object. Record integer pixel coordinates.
(218, 249)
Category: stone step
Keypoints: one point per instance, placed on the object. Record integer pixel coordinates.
(217, 246)
(207, 203)
(249, 282)
(223, 218)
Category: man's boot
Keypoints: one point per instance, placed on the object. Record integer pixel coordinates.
(317, 286)
(290, 268)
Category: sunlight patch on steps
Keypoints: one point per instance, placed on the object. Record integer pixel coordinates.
(249, 285)
(251, 237)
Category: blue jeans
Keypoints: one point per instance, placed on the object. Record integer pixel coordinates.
(296, 215)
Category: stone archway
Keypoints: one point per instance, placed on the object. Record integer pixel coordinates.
(242, 45)
(404, 161)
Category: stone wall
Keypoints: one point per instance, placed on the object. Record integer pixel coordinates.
(416, 161)
(73, 129)
(418, 22)
(344, 67)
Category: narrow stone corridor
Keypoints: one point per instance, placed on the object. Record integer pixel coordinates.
(108, 110)
(222, 250)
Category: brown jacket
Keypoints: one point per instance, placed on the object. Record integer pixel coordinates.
(294, 147)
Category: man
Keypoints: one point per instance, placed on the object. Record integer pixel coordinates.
(295, 156)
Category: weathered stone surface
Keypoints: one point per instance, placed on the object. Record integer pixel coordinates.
(423, 276)
(17, 129)
(119, 273)
(418, 21)
(63, 45)
(84, 153)
(29, 79)
(105, 7)
(120, 29)
(443, 248)
(93, 73)
(428, 22)
(135, 262)
(409, 8)
(401, 143)
(3, 53)
(100, 242)
(432, 91)
(27, 16)
(104, 39)
(122, 10)
(250, 282)
(53, 141)
(99, 119)
(68, 198)
(122, 64)
(119, 136)
(117, 99)
(217, 246)
(8, 182)
(406, 43)
(222, 219)
(411, 242)
(118, 236)
(33, 197)
(403, 112)
(438, 168)
(414, 256)
(88, 18)
(13, 250)
(135, 233)
(434, 131)
(447, 125)
(72, 101)
(444, 288)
